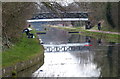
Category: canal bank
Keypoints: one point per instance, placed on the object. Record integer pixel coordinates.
(106, 35)
(25, 54)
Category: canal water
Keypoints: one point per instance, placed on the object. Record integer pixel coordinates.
(100, 59)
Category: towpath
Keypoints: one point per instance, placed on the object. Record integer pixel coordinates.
(105, 32)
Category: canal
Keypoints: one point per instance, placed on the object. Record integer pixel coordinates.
(99, 59)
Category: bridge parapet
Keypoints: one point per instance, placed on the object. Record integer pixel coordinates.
(60, 15)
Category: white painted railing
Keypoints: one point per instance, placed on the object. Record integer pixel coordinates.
(58, 19)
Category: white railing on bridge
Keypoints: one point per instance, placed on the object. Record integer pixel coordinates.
(58, 19)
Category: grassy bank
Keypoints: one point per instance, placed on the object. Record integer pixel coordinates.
(106, 36)
(25, 49)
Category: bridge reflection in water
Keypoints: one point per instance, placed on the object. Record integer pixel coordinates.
(68, 60)
(70, 47)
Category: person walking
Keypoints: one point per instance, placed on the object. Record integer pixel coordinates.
(99, 26)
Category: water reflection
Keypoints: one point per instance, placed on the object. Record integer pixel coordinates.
(110, 60)
(98, 60)
(99, 41)
(68, 65)
(88, 39)
(55, 36)
(106, 57)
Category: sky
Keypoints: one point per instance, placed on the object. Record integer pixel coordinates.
(64, 2)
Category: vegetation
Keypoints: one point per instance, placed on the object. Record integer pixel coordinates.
(106, 13)
(108, 37)
(14, 16)
(16, 46)
(25, 49)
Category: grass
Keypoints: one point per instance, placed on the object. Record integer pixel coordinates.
(105, 36)
(25, 49)
(108, 37)
(105, 28)
(69, 29)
